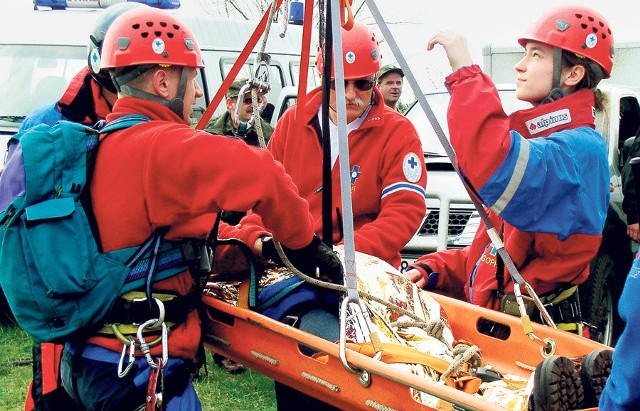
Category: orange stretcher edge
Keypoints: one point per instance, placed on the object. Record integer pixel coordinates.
(271, 348)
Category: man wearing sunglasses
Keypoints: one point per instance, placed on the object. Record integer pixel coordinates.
(388, 179)
(388, 175)
(240, 123)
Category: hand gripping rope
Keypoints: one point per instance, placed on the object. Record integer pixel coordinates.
(547, 345)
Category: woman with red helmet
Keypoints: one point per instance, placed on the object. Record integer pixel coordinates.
(161, 173)
(541, 172)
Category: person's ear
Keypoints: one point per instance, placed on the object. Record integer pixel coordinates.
(230, 104)
(574, 75)
(161, 83)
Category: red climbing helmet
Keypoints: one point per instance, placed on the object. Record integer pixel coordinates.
(361, 53)
(577, 29)
(149, 36)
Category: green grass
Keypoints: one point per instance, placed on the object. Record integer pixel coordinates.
(218, 390)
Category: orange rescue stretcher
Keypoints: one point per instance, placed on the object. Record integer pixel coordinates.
(271, 348)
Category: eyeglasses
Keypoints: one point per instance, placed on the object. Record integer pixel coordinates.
(362, 84)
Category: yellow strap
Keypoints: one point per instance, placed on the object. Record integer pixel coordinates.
(396, 353)
(141, 295)
(567, 326)
(561, 296)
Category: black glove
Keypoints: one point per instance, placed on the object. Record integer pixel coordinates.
(306, 259)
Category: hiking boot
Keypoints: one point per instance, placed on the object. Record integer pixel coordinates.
(228, 365)
(557, 386)
(596, 367)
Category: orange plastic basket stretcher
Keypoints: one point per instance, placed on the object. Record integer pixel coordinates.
(271, 348)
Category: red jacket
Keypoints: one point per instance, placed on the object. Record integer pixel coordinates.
(543, 172)
(388, 176)
(164, 173)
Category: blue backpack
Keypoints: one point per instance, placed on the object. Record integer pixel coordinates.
(58, 283)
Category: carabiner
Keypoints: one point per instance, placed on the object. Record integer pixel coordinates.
(132, 358)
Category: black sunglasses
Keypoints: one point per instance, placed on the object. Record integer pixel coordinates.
(362, 84)
(249, 100)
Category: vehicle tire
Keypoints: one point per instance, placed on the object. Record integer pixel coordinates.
(598, 300)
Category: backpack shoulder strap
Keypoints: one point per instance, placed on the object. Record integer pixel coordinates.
(124, 122)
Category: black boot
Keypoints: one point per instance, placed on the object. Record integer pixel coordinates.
(557, 386)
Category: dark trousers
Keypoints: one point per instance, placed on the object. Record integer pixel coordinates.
(91, 378)
(324, 324)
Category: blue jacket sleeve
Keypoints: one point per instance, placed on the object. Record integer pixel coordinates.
(621, 391)
(543, 184)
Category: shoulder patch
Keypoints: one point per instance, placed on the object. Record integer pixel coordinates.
(411, 167)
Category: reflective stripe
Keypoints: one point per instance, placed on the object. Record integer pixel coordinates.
(515, 180)
(393, 188)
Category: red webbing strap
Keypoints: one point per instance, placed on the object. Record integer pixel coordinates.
(242, 58)
(347, 22)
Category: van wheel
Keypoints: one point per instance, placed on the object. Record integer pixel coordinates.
(598, 304)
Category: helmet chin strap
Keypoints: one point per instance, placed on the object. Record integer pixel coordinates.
(176, 104)
(556, 92)
(104, 81)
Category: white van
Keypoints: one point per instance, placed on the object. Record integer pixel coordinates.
(42, 49)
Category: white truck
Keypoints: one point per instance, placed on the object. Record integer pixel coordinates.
(451, 220)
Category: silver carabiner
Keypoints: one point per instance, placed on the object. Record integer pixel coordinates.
(165, 345)
(144, 347)
(132, 358)
(161, 313)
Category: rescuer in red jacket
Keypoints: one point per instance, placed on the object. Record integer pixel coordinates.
(88, 99)
(163, 173)
(388, 179)
(388, 175)
(542, 173)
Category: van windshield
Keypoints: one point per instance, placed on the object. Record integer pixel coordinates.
(32, 76)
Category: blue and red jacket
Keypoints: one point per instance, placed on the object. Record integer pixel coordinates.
(543, 175)
(82, 102)
(621, 392)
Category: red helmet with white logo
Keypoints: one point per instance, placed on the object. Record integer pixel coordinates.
(577, 29)
(149, 36)
(360, 53)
